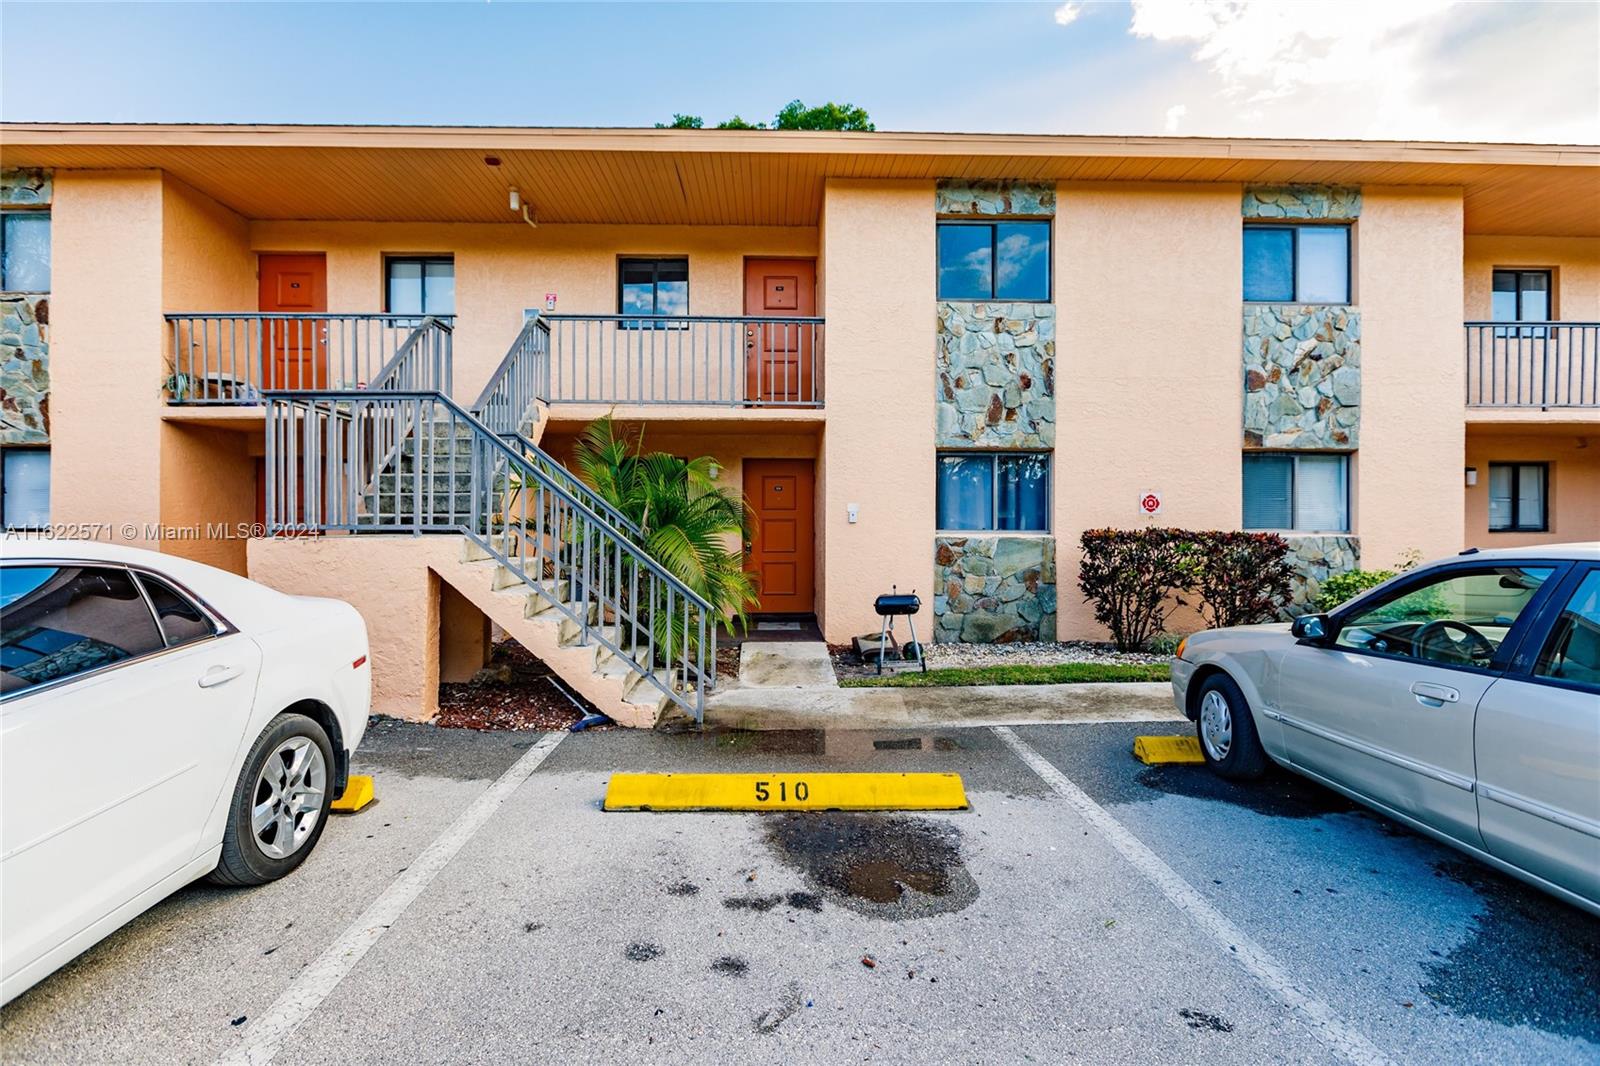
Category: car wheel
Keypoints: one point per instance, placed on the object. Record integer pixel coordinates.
(280, 804)
(1227, 730)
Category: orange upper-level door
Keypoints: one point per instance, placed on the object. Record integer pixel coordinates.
(294, 353)
(778, 357)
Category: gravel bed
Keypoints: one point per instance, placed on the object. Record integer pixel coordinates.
(1043, 653)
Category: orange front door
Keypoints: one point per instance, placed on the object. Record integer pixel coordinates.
(294, 352)
(781, 555)
(779, 356)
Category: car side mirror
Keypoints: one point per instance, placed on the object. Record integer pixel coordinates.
(1311, 628)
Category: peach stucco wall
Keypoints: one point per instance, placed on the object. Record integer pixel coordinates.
(502, 269)
(1408, 480)
(1575, 262)
(107, 339)
(207, 474)
(393, 582)
(1148, 385)
(877, 448)
(1574, 502)
(128, 246)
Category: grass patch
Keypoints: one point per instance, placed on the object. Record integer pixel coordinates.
(1054, 674)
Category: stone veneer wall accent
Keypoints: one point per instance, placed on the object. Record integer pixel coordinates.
(25, 332)
(994, 588)
(996, 384)
(995, 389)
(24, 369)
(1302, 376)
(25, 188)
(1315, 559)
(1330, 202)
(957, 197)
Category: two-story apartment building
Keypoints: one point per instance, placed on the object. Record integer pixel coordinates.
(929, 361)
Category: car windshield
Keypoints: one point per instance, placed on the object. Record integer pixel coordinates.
(1459, 617)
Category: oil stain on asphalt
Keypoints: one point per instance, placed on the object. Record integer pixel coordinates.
(1486, 976)
(1199, 1019)
(1279, 793)
(886, 866)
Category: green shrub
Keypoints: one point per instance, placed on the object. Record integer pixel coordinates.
(1164, 643)
(1240, 578)
(1341, 588)
(1132, 577)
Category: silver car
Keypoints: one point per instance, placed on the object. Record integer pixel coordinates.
(1461, 698)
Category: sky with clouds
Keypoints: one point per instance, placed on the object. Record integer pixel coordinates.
(1416, 69)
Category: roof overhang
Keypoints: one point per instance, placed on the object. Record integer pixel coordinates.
(740, 177)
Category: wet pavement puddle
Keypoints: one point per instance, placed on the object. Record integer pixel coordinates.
(1515, 923)
(887, 866)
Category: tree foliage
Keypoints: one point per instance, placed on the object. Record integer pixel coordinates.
(830, 116)
(686, 519)
(794, 115)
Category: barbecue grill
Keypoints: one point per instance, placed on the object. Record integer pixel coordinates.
(894, 605)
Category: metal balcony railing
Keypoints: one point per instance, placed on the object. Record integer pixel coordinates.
(1533, 364)
(726, 361)
(232, 357)
(507, 405)
(413, 461)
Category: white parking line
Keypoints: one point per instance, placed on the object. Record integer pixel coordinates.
(264, 1036)
(1333, 1030)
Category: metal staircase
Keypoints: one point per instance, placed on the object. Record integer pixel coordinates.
(402, 457)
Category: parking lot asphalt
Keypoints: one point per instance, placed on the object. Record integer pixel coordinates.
(1087, 908)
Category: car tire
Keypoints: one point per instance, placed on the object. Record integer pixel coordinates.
(275, 782)
(1227, 730)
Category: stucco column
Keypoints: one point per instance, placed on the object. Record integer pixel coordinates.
(1148, 377)
(877, 448)
(1409, 490)
(107, 338)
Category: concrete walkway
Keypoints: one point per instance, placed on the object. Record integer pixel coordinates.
(827, 707)
(787, 665)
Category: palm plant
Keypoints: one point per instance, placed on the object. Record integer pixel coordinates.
(685, 518)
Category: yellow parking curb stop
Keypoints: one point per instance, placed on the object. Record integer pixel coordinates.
(357, 794)
(1156, 751)
(786, 792)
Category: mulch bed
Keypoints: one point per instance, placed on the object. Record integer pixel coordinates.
(727, 662)
(513, 692)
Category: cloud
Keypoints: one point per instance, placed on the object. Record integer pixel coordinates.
(1068, 13)
(1383, 68)
(1264, 51)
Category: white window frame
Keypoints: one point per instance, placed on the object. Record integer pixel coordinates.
(994, 488)
(1294, 488)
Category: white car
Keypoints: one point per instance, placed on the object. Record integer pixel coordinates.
(1461, 698)
(160, 721)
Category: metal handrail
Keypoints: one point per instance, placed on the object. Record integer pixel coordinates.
(232, 357)
(516, 384)
(574, 484)
(423, 362)
(695, 360)
(518, 381)
(465, 478)
(1533, 364)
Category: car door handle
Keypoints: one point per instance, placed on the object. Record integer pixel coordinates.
(219, 675)
(1431, 695)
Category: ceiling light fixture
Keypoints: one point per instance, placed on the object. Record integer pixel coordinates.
(514, 200)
